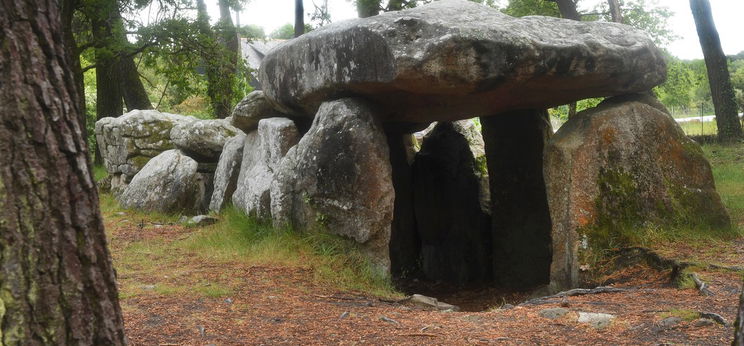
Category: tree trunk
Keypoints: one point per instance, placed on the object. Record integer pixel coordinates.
(724, 99)
(615, 11)
(56, 278)
(299, 25)
(568, 9)
(395, 5)
(368, 8)
(220, 76)
(739, 324)
(135, 95)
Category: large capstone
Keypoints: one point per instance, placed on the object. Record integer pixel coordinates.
(623, 165)
(264, 149)
(203, 139)
(455, 231)
(227, 172)
(168, 183)
(338, 178)
(128, 142)
(455, 59)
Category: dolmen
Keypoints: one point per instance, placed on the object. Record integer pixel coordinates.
(487, 192)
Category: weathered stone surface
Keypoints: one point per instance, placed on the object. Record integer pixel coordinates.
(519, 207)
(168, 183)
(454, 59)
(553, 313)
(596, 320)
(338, 178)
(254, 107)
(431, 303)
(264, 149)
(129, 141)
(621, 165)
(227, 172)
(455, 233)
(203, 140)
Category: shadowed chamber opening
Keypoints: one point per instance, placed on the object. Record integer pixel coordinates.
(448, 240)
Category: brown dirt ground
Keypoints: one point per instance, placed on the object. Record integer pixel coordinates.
(286, 305)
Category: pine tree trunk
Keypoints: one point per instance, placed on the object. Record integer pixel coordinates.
(739, 324)
(132, 89)
(299, 25)
(615, 11)
(568, 9)
(368, 8)
(724, 99)
(57, 284)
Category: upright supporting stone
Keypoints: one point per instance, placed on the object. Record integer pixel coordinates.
(405, 246)
(454, 231)
(338, 178)
(520, 217)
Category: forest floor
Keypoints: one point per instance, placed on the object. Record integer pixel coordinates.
(184, 285)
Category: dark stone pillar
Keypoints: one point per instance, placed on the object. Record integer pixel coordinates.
(404, 241)
(520, 216)
(454, 231)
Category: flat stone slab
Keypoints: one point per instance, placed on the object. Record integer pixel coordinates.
(455, 59)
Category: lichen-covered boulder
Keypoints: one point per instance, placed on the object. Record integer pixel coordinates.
(128, 142)
(454, 228)
(249, 111)
(625, 164)
(338, 178)
(168, 183)
(226, 174)
(264, 149)
(455, 59)
(203, 140)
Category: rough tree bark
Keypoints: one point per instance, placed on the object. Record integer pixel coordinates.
(299, 25)
(739, 324)
(57, 284)
(615, 11)
(724, 99)
(218, 59)
(132, 89)
(568, 9)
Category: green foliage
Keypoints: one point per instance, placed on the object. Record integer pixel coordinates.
(285, 32)
(252, 32)
(521, 8)
(677, 90)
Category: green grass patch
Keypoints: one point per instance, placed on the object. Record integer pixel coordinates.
(697, 128)
(727, 162)
(334, 259)
(684, 314)
(99, 172)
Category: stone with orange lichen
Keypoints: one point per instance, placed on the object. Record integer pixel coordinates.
(622, 165)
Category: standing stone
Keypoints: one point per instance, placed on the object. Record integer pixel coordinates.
(226, 175)
(203, 140)
(625, 164)
(168, 183)
(128, 142)
(519, 207)
(251, 110)
(338, 178)
(264, 149)
(454, 230)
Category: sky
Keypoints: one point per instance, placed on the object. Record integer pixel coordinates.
(271, 14)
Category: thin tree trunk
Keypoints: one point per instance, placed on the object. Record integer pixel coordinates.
(568, 9)
(214, 64)
(135, 95)
(299, 25)
(739, 324)
(615, 11)
(724, 99)
(56, 278)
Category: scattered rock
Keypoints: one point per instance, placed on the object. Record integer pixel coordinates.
(345, 314)
(227, 172)
(202, 220)
(203, 140)
(553, 313)
(129, 141)
(454, 59)
(429, 302)
(338, 178)
(624, 164)
(228, 301)
(251, 110)
(714, 317)
(264, 149)
(596, 320)
(389, 320)
(148, 287)
(168, 183)
(670, 322)
(703, 322)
